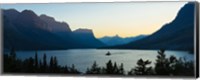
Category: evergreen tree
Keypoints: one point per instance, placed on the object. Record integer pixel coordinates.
(162, 64)
(40, 64)
(36, 59)
(66, 70)
(73, 70)
(28, 65)
(51, 64)
(121, 69)
(109, 67)
(94, 69)
(13, 54)
(12, 61)
(142, 68)
(31, 68)
(45, 61)
(115, 69)
(44, 65)
(55, 62)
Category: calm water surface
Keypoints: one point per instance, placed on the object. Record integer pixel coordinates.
(84, 58)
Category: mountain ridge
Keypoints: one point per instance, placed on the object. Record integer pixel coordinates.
(176, 35)
(28, 31)
(117, 40)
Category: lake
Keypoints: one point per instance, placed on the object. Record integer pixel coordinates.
(84, 58)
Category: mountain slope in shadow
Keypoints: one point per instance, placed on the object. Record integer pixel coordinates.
(176, 35)
(27, 31)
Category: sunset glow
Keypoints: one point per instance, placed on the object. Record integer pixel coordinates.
(106, 19)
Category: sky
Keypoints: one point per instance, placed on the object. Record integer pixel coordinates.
(109, 19)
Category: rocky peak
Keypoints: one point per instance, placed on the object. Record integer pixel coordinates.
(83, 30)
(55, 26)
(47, 18)
(28, 13)
(10, 13)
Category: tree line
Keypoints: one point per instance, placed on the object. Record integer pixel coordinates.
(163, 66)
(34, 65)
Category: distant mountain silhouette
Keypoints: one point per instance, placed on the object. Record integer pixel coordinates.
(176, 35)
(27, 31)
(117, 40)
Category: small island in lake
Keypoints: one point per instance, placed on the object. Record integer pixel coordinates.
(108, 53)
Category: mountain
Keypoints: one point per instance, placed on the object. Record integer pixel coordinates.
(86, 36)
(176, 35)
(61, 29)
(55, 26)
(117, 40)
(27, 31)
